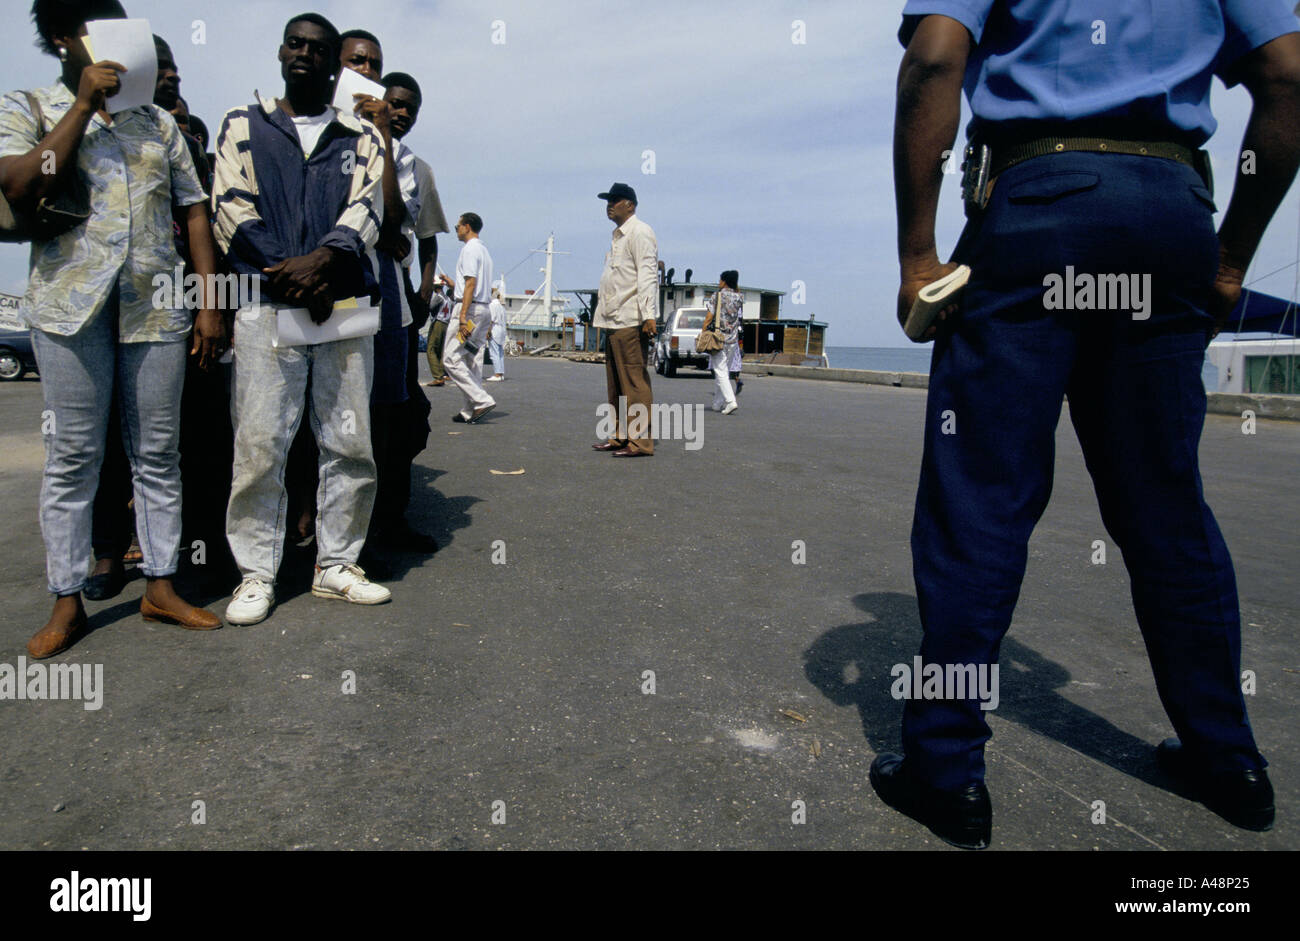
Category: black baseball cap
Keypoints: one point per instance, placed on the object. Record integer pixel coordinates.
(619, 191)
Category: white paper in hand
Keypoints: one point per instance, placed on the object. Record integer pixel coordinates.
(294, 326)
(354, 83)
(130, 43)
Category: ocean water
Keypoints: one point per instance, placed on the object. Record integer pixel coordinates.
(883, 358)
(917, 359)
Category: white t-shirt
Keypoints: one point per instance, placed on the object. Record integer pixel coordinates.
(310, 127)
(474, 262)
(442, 307)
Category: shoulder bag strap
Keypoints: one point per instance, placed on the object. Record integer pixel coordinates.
(38, 114)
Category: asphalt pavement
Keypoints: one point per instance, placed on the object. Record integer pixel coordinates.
(686, 651)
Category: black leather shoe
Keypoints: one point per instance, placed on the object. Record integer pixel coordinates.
(961, 818)
(1243, 798)
(105, 586)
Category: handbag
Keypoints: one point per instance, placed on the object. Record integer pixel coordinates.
(57, 212)
(710, 340)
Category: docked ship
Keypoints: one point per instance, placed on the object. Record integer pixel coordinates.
(1258, 352)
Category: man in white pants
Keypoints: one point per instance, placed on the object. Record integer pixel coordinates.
(467, 334)
(497, 338)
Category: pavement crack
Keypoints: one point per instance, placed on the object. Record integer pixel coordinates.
(1109, 816)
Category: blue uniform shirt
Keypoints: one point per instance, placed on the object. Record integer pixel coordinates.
(1149, 62)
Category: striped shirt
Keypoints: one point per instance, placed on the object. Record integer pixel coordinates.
(271, 204)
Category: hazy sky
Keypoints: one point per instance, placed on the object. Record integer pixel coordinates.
(770, 157)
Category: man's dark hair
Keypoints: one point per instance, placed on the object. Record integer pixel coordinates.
(731, 279)
(199, 131)
(472, 220)
(318, 20)
(359, 34)
(66, 17)
(160, 44)
(402, 80)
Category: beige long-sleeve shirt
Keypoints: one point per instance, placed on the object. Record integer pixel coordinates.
(629, 285)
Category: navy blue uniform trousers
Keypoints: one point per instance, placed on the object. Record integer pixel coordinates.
(999, 372)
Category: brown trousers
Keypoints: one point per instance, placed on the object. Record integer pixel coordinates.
(625, 375)
(437, 334)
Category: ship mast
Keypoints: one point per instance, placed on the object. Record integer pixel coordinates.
(547, 291)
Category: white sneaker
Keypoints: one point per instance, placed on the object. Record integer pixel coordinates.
(252, 601)
(349, 583)
(730, 408)
(495, 378)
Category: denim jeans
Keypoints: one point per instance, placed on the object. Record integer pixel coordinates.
(80, 374)
(331, 383)
(1000, 370)
(498, 353)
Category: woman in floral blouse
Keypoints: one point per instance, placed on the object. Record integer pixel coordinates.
(101, 327)
(731, 303)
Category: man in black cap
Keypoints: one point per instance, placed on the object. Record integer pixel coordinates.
(626, 307)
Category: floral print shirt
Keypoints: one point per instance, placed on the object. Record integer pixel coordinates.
(136, 168)
(733, 305)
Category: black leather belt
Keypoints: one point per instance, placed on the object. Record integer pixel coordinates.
(986, 161)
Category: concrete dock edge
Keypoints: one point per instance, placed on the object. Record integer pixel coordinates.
(1285, 407)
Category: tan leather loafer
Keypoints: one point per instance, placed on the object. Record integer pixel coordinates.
(51, 640)
(195, 619)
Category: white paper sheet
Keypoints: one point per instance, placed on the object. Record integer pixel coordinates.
(354, 83)
(294, 326)
(129, 42)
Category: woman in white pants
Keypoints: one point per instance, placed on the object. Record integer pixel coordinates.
(729, 302)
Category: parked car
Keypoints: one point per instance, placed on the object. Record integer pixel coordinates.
(675, 345)
(16, 356)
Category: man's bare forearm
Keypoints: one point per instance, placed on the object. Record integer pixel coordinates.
(427, 249)
(925, 125)
(1270, 148)
(471, 285)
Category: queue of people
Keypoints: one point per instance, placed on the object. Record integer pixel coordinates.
(269, 205)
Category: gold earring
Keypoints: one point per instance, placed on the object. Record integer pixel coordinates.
(63, 53)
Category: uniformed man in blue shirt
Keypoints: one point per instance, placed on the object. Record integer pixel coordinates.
(1097, 275)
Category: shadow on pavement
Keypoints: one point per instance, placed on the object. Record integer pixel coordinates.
(851, 665)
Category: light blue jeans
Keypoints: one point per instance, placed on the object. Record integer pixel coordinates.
(498, 353)
(273, 387)
(79, 376)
